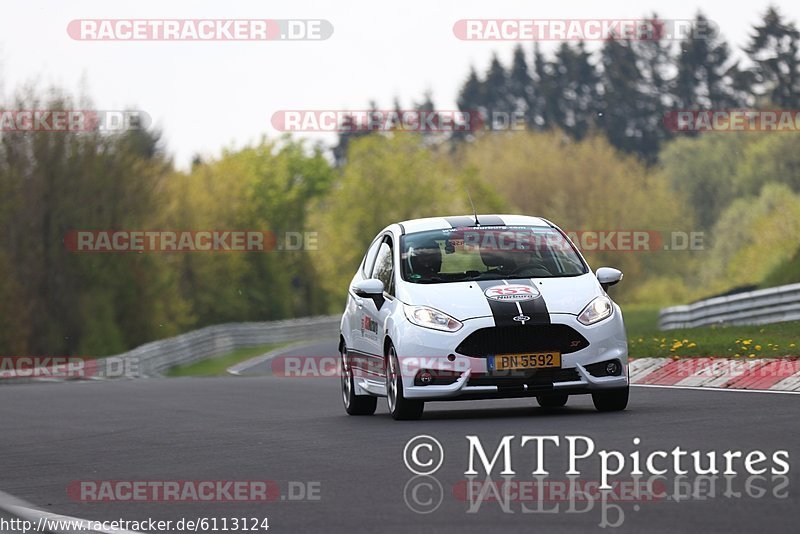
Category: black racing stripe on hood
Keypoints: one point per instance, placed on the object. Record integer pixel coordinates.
(535, 308)
(504, 312)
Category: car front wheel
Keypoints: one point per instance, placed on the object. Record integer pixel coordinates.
(400, 407)
(613, 400)
(353, 404)
(552, 400)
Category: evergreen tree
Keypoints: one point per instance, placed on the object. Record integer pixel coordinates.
(708, 77)
(576, 97)
(629, 104)
(520, 83)
(425, 107)
(497, 96)
(545, 92)
(471, 100)
(350, 129)
(773, 49)
(656, 60)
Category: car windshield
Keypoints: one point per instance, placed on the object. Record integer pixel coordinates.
(488, 253)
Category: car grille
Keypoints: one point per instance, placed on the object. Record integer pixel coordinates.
(522, 339)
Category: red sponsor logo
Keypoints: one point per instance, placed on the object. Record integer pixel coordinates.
(511, 293)
(369, 324)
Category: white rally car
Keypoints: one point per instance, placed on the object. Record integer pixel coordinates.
(474, 307)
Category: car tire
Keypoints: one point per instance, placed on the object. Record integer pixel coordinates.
(401, 408)
(613, 400)
(353, 404)
(552, 400)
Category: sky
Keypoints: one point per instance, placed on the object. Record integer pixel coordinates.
(206, 96)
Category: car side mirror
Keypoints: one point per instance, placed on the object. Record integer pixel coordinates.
(608, 277)
(369, 288)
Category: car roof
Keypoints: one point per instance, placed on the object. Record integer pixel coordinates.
(440, 223)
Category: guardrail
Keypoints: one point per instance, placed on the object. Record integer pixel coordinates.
(154, 358)
(763, 306)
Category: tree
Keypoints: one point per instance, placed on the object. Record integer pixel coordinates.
(545, 93)
(773, 48)
(707, 77)
(754, 236)
(265, 187)
(520, 83)
(629, 106)
(496, 89)
(471, 100)
(387, 179)
(53, 183)
(584, 185)
(424, 108)
(349, 130)
(768, 159)
(702, 170)
(576, 97)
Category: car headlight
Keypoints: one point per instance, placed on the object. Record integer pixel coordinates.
(597, 310)
(431, 318)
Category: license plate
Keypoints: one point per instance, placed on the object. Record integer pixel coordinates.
(537, 360)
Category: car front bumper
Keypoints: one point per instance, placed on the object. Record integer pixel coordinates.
(421, 348)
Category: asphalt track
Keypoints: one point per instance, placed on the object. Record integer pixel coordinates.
(295, 429)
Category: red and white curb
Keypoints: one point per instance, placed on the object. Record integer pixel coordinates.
(768, 374)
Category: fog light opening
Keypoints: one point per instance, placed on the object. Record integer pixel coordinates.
(613, 368)
(425, 377)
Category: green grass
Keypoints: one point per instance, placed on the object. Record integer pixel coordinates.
(217, 365)
(764, 341)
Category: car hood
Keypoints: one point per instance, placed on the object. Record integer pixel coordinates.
(466, 300)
